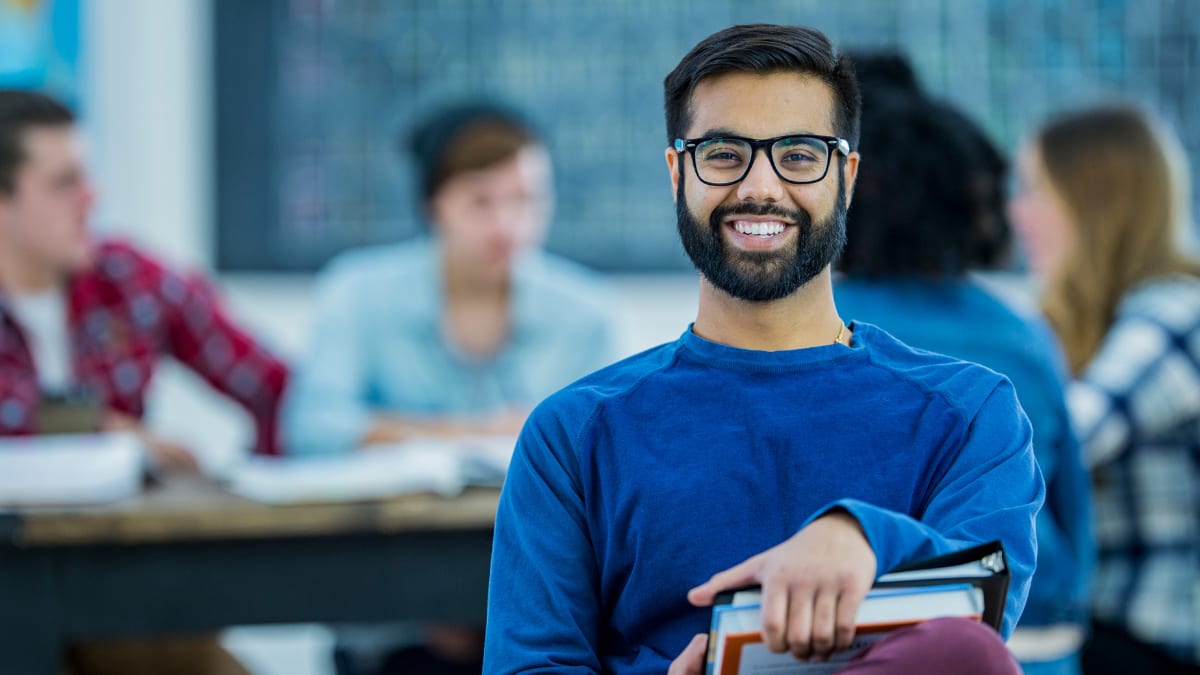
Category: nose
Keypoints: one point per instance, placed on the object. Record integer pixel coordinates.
(761, 183)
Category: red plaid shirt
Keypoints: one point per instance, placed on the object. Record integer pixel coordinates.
(125, 312)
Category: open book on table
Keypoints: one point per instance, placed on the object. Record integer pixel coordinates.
(972, 583)
(420, 465)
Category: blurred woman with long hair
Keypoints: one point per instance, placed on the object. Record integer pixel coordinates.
(1102, 208)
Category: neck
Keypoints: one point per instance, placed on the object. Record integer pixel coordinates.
(806, 318)
(20, 273)
(463, 284)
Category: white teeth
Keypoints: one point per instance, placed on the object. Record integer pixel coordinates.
(759, 229)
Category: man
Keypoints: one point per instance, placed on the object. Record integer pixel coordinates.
(92, 319)
(771, 444)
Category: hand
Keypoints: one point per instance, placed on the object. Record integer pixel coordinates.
(812, 585)
(691, 660)
(506, 422)
(169, 455)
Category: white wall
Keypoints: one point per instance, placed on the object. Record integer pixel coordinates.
(147, 109)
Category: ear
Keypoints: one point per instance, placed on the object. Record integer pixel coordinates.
(673, 167)
(851, 175)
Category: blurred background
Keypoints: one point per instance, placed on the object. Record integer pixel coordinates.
(257, 139)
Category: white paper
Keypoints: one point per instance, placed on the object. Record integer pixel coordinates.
(70, 469)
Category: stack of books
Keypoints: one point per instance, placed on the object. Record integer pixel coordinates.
(972, 584)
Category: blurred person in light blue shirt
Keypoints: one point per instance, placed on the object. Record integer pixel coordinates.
(458, 332)
(462, 331)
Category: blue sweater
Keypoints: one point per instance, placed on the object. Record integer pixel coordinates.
(964, 320)
(642, 480)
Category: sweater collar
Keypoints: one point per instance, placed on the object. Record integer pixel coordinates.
(719, 355)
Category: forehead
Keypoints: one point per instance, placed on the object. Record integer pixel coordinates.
(46, 146)
(530, 166)
(762, 106)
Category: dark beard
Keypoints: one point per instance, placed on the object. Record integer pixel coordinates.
(761, 276)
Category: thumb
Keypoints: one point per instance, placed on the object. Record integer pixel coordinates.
(691, 660)
(744, 573)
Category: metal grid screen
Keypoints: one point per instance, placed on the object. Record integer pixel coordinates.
(313, 95)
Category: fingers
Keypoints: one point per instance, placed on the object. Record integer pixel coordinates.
(691, 660)
(742, 574)
(821, 630)
(781, 610)
(844, 626)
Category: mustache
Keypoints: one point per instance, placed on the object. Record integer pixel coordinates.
(724, 211)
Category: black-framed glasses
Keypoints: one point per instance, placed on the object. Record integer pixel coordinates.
(798, 158)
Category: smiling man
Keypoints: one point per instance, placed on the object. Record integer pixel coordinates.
(771, 443)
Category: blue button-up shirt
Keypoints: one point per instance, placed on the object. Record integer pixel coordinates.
(378, 345)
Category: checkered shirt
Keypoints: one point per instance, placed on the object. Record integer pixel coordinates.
(1137, 411)
(125, 312)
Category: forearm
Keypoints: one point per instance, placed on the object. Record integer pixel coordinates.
(394, 428)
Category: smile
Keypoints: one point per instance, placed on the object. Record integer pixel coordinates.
(768, 228)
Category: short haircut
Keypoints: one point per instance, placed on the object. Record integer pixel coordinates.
(763, 49)
(929, 198)
(21, 111)
(466, 137)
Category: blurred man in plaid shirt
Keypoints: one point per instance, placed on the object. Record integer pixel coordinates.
(93, 318)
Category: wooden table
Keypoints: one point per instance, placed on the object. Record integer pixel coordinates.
(188, 556)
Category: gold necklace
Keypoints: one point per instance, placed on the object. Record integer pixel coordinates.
(841, 332)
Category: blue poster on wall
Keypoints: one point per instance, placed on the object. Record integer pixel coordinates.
(39, 47)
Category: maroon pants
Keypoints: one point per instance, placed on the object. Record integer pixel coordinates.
(938, 647)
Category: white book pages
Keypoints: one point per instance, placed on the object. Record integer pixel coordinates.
(418, 466)
(70, 469)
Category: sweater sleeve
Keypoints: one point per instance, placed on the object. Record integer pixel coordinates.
(542, 557)
(992, 490)
(202, 336)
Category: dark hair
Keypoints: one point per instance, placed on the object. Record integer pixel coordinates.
(929, 199)
(883, 72)
(763, 48)
(20, 111)
(465, 137)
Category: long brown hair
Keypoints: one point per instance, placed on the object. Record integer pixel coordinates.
(1125, 184)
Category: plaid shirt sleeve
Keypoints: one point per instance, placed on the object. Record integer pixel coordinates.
(201, 335)
(1141, 384)
(19, 391)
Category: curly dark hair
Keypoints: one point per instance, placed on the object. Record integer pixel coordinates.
(929, 199)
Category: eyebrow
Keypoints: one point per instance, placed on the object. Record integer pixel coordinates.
(726, 131)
